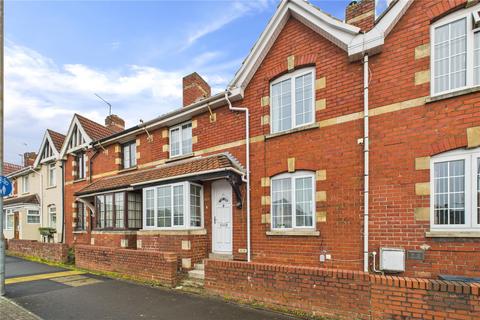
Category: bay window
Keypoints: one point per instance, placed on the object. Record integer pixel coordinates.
(455, 57)
(171, 206)
(292, 100)
(455, 185)
(119, 210)
(9, 218)
(33, 216)
(181, 140)
(292, 200)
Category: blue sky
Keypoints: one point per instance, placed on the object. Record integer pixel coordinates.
(132, 53)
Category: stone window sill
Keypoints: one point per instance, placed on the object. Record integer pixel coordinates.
(128, 169)
(173, 232)
(50, 187)
(80, 180)
(452, 234)
(124, 232)
(182, 157)
(453, 94)
(303, 128)
(79, 232)
(299, 233)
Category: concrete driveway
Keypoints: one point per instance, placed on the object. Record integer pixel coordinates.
(56, 293)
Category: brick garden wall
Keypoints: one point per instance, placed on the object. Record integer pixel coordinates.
(56, 252)
(145, 265)
(342, 294)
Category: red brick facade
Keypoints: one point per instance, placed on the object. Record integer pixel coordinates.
(404, 126)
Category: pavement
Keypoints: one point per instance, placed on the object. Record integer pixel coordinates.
(36, 290)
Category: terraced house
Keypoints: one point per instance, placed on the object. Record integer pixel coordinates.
(340, 149)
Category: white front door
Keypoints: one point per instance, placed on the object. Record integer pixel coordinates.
(222, 217)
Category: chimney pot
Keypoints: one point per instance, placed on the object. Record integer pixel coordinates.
(195, 88)
(361, 13)
(115, 123)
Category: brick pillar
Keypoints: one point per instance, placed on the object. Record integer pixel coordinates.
(361, 13)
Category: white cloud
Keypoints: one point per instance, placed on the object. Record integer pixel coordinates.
(227, 14)
(40, 94)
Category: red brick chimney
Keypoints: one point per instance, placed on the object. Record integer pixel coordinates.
(115, 123)
(29, 158)
(361, 13)
(194, 89)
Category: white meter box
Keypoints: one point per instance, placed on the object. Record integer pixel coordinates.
(392, 259)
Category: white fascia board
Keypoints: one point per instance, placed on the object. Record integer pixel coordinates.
(372, 41)
(74, 122)
(340, 33)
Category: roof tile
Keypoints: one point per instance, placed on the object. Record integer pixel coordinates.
(94, 130)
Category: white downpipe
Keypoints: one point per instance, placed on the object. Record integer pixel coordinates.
(366, 162)
(247, 142)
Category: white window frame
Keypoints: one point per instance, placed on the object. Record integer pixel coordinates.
(293, 177)
(186, 207)
(292, 76)
(84, 169)
(52, 209)
(470, 157)
(33, 215)
(7, 213)
(52, 177)
(180, 130)
(25, 184)
(458, 15)
(132, 163)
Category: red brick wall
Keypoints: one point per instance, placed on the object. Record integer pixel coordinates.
(145, 265)
(342, 294)
(56, 252)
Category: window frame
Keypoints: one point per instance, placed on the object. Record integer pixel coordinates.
(293, 176)
(78, 156)
(33, 215)
(52, 178)
(186, 207)
(470, 187)
(84, 215)
(25, 184)
(8, 212)
(50, 207)
(292, 76)
(180, 129)
(470, 38)
(126, 212)
(133, 156)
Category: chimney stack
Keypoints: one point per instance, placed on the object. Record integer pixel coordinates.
(29, 158)
(361, 13)
(115, 123)
(194, 89)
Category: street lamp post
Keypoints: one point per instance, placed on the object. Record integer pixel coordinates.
(2, 218)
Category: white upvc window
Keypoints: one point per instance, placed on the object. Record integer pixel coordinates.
(173, 206)
(52, 175)
(181, 140)
(33, 216)
(455, 57)
(292, 100)
(293, 201)
(9, 218)
(455, 185)
(25, 184)
(129, 155)
(52, 216)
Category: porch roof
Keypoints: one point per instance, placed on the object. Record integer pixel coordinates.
(30, 199)
(192, 169)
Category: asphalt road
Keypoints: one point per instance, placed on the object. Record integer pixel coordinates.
(86, 296)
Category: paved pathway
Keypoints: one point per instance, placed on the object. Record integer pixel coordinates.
(55, 293)
(12, 311)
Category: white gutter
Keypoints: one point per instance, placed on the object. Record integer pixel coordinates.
(366, 151)
(247, 155)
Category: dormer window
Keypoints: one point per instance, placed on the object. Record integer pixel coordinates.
(455, 52)
(292, 100)
(181, 140)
